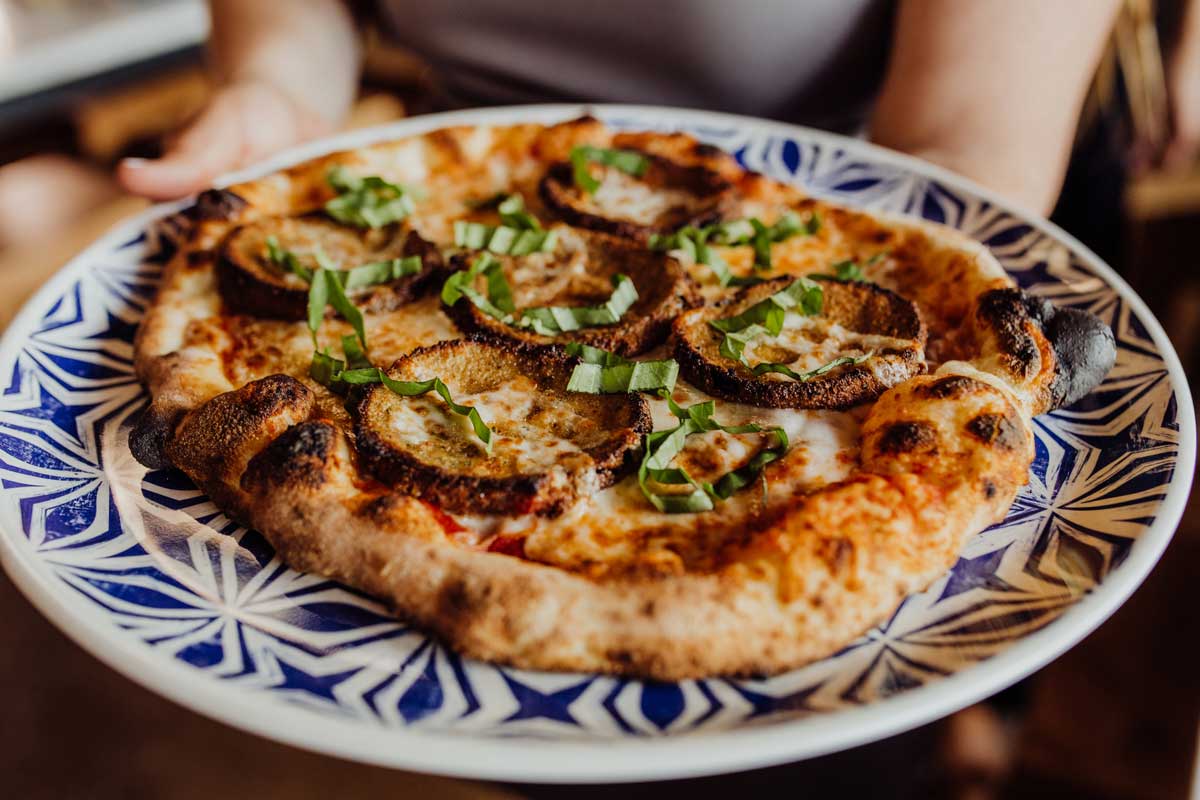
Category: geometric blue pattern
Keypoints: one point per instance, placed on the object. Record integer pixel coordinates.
(164, 567)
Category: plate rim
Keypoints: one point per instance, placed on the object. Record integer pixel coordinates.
(625, 759)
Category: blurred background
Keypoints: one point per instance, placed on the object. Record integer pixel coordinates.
(85, 83)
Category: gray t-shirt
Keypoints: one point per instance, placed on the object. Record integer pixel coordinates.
(817, 62)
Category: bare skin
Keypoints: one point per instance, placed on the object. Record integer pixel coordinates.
(990, 89)
(286, 71)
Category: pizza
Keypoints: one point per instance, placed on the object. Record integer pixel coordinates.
(578, 399)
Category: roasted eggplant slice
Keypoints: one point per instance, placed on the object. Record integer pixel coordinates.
(250, 283)
(864, 340)
(548, 446)
(580, 273)
(666, 197)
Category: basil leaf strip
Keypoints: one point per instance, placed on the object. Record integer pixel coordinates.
(766, 317)
(553, 320)
(694, 242)
(503, 239)
(848, 271)
(547, 320)
(801, 295)
(513, 214)
(359, 277)
(784, 369)
(328, 370)
(602, 372)
(335, 296)
(760, 236)
(661, 448)
(630, 162)
(366, 202)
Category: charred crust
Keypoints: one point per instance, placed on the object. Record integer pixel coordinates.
(996, 429)
(837, 553)
(249, 286)
(712, 194)
(298, 457)
(1084, 349)
(989, 488)
(951, 387)
(1004, 312)
(908, 436)
(212, 440)
(148, 440)
(216, 205)
(861, 307)
(448, 479)
(664, 292)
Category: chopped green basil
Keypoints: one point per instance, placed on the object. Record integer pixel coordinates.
(849, 270)
(661, 448)
(367, 202)
(546, 321)
(766, 317)
(326, 290)
(784, 369)
(754, 232)
(329, 371)
(503, 239)
(602, 372)
(694, 242)
(513, 214)
(630, 162)
(553, 320)
(801, 295)
(359, 277)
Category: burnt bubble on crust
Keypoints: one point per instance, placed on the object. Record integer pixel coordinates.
(550, 446)
(579, 273)
(701, 196)
(250, 284)
(215, 205)
(297, 457)
(151, 431)
(859, 308)
(1084, 348)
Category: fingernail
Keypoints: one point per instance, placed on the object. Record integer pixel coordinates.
(135, 163)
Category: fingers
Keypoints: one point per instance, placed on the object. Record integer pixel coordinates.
(241, 124)
(209, 146)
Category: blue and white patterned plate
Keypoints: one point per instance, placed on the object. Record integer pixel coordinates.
(143, 570)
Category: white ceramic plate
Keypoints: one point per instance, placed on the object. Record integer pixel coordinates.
(144, 572)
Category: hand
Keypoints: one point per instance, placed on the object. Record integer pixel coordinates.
(243, 123)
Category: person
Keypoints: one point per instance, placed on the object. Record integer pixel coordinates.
(990, 89)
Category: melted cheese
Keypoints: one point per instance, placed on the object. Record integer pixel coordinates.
(523, 436)
(618, 525)
(806, 343)
(627, 197)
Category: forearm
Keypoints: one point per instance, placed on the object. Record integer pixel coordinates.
(993, 88)
(309, 49)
